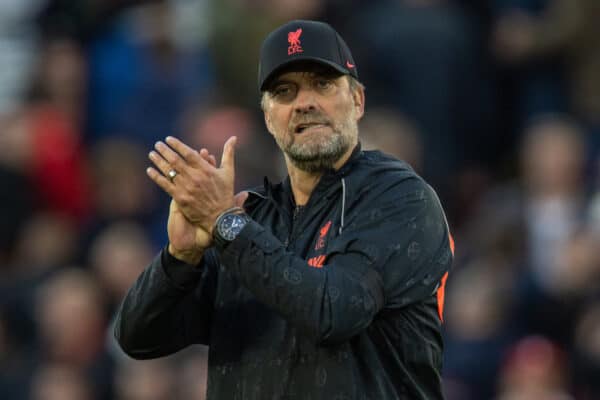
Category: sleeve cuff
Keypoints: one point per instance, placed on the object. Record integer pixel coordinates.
(180, 273)
(253, 238)
(250, 231)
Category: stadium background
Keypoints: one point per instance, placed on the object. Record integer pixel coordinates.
(495, 102)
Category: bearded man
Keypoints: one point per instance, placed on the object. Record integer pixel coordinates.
(328, 285)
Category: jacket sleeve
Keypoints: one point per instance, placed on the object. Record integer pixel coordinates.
(169, 307)
(391, 254)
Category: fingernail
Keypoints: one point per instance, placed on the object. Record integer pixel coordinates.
(169, 138)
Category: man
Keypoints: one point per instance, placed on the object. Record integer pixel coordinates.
(328, 285)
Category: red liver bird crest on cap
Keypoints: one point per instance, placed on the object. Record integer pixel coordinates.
(294, 41)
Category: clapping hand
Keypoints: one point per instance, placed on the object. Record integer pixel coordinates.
(199, 189)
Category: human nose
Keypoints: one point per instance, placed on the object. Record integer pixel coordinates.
(305, 101)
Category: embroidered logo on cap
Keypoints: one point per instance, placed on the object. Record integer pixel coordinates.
(294, 41)
(349, 65)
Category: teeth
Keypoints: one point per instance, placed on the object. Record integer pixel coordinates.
(302, 127)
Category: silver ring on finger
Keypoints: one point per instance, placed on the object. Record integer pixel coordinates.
(172, 174)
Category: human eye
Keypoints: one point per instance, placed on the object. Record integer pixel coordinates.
(283, 91)
(323, 83)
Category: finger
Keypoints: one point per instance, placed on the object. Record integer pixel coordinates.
(208, 157)
(161, 164)
(161, 181)
(240, 198)
(185, 151)
(228, 157)
(172, 158)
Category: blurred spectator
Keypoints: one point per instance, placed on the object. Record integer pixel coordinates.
(424, 59)
(145, 380)
(535, 369)
(530, 222)
(15, 204)
(210, 129)
(60, 382)
(45, 243)
(122, 190)
(14, 366)
(44, 141)
(71, 320)
(60, 80)
(18, 44)
(530, 84)
(121, 187)
(238, 29)
(586, 354)
(552, 161)
(140, 80)
(83, 19)
(193, 376)
(393, 133)
(594, 206)
(118, 256)
(478, 328)
(578, 267)
(562, 29)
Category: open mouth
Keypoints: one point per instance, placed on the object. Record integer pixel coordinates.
(300, 128)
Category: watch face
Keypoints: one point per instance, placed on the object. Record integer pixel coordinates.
(231, 225)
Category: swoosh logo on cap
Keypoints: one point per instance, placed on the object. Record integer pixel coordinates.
(349, 65)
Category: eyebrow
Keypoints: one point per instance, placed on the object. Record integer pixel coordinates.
(279, 81)
(311, 75)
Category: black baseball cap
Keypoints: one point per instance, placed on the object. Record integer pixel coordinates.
(303, 40)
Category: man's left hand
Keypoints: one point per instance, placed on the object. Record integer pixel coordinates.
(201, 190)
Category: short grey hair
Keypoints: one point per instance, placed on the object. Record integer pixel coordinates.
(354, 84)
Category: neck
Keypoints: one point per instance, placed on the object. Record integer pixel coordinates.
(303, 183)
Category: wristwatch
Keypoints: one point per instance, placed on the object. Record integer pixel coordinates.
(228, 225)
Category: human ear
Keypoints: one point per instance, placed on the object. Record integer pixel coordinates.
(268, 121)
(358, 96)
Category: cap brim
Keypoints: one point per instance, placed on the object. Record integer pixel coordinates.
(298, 59)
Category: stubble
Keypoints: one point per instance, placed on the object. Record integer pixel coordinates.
(321, 153)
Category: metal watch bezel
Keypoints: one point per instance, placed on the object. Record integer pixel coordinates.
(229, 225)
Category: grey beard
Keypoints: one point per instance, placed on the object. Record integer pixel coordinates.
(318, 160)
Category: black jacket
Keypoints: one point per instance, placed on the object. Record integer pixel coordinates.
(342, 301)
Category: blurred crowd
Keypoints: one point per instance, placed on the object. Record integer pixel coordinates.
(495, 102)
